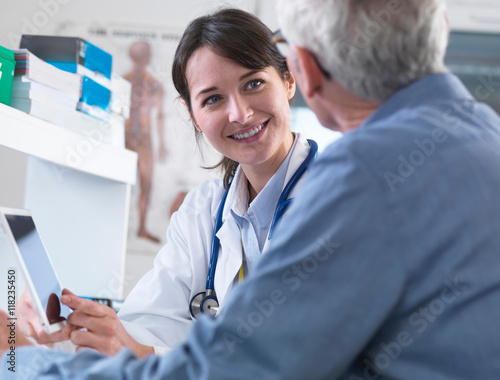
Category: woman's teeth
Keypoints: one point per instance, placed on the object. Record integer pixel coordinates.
(249, 133)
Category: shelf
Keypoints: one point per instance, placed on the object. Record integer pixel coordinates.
(41, 139)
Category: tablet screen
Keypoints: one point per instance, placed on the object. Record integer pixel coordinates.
(39, 267)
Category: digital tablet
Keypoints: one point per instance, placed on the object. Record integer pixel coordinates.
(35, 264)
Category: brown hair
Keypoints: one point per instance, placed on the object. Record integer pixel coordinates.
(233, 34)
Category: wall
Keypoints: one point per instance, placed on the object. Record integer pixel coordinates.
(474, 15)
(44, 16)
(12, 174)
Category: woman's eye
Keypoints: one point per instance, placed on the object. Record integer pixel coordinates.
(211, 100)
(254, 84)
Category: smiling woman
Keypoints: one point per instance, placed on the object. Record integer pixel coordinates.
(236, 38)
(243, 113)
(236, 88)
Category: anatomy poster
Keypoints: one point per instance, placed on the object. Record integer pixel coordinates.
(158, 128)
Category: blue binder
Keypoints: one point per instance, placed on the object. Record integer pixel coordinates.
(71, 54)
(76, 55)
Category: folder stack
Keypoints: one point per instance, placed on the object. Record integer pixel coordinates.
(67, 81)
(42, 89)
(75, 55)
(39, 84)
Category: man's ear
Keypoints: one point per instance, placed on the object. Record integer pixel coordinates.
(183, 102)
(309, 71)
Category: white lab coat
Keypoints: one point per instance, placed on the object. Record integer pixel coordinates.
(156, 312)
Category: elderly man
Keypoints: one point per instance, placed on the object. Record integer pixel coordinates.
(388, 264)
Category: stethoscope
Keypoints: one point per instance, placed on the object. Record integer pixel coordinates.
(206, 302)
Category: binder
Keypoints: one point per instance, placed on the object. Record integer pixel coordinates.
(72, 54)
(29, 68)
(7, 64)
(95, 99)
(33, 90)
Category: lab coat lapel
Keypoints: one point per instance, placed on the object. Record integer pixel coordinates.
(230, 258)
(299, 154)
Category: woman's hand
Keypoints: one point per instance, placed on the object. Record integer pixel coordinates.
(30, 325)
(104, 331)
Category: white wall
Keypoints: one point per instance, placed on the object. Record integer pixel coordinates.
(44, 16)
(474, 15)
(12, 178)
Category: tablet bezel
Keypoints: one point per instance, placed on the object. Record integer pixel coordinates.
(35, 299)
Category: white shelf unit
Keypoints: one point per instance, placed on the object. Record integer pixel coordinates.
(79, 192)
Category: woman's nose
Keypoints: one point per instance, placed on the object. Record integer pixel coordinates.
(239, 110)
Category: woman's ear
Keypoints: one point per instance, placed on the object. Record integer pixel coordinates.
(291, 86)
(183, 102)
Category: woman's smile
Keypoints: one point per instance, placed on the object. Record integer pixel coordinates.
(246, 135)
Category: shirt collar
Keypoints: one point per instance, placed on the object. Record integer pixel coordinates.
(434, 88)
(263, 206)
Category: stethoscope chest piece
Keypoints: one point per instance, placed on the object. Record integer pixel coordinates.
(203, 303)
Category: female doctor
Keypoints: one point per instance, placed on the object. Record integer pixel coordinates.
(236, 88)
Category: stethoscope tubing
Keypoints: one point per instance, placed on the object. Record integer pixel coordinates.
(214, 251)
(283, 201)
(208, 297)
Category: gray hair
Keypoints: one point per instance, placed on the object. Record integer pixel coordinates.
(371, 47)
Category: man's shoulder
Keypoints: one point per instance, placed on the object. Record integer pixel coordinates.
(417, 133)
(426, 139)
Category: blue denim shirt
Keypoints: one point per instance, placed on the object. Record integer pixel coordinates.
(388, 266)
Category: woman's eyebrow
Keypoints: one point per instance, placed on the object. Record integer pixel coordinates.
(210, 89)
(249, 74)
(214, 88)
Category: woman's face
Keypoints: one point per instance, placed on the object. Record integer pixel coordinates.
(243, 113)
